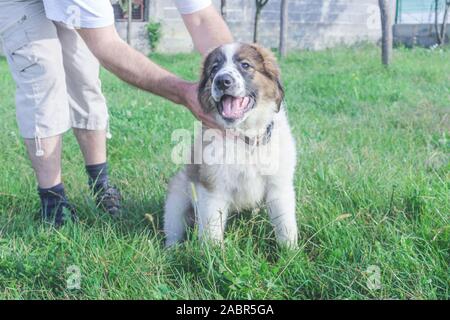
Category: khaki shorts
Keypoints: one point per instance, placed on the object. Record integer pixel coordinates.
(57, 77)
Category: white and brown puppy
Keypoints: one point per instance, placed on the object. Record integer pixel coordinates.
(241, 87)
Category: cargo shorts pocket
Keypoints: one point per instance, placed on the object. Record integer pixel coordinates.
(18, 47)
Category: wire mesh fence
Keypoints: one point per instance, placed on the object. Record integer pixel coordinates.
(419, 11)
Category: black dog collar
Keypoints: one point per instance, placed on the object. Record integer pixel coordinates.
(260, 140)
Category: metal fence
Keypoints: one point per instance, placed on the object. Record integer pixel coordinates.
(418, 11)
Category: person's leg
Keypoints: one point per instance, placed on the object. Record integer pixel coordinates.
(92, 144)
(34, 56)
(48, 166)
(89, 114)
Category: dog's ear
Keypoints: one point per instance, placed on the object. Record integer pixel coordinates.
(204, 77)
(203, 85)
(272, 71)
(280, 97)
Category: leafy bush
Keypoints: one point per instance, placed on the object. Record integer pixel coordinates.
(154, 34)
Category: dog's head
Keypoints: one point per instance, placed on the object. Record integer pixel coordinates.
(240, 85)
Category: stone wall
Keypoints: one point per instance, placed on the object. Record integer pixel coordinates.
(139, 35)
(313, 24)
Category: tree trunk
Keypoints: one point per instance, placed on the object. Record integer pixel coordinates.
(386, 26)
(444, 24)
(255, 26)
(436, 22)
(223, 9)
(283, 27)
(130, 20)
(259, 4)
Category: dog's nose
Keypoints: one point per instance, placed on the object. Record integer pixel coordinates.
(224, 81)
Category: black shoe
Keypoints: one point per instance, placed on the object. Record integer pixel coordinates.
(62, 213)
(108, 198)
(56, 209)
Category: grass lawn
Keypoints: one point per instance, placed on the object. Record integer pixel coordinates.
(372, 193)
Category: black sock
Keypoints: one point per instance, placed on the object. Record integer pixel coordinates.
(98, 175)
(52, 201)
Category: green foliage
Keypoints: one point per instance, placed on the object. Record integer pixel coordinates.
(124, 5)
(373, 148)
(154, 34)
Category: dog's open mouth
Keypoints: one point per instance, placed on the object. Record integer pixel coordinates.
(233, 108)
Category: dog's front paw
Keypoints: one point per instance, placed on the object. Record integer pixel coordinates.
(171, 242)
(289, 242)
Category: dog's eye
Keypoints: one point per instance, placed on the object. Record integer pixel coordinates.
(245, 65)
(214, 68)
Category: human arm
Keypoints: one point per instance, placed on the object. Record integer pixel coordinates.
(207, 29)
(135, 68)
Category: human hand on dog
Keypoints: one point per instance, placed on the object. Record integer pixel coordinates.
(191, 102)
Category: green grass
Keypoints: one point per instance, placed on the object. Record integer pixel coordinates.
(372, 144)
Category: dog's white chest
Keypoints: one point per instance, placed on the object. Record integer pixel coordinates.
(244, 184)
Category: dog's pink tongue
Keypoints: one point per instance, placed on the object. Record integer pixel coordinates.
(233, 107)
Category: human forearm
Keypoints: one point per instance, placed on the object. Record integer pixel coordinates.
(132, 66)
(135, 68)
(207, 29)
